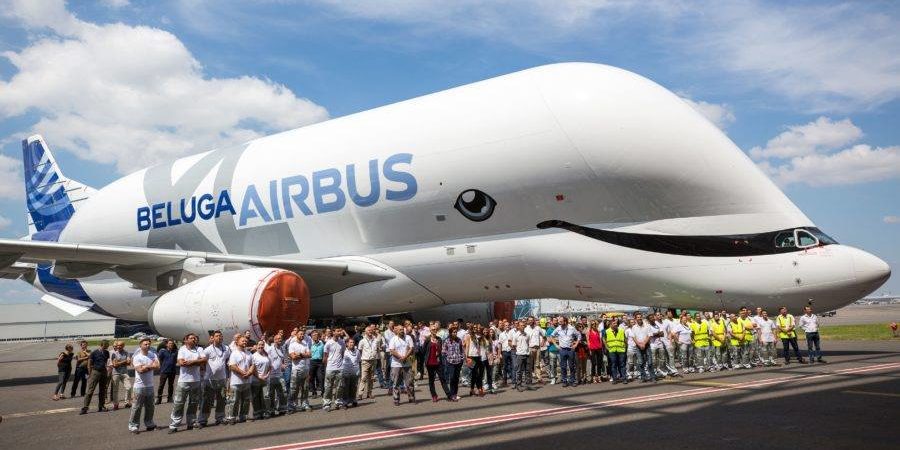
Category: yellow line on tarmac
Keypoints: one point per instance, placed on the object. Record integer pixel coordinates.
(883, 394)
(40, 413)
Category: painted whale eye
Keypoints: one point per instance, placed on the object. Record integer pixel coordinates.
(475, 205)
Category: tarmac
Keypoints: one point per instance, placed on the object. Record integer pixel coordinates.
(851, 402)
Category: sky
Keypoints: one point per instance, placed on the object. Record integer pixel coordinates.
(810, 90)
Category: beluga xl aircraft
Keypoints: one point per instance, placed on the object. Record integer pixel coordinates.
(576, 181)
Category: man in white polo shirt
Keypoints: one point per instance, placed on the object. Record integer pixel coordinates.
(144, 362)
(535, 340)
(241, 365)
(566, 337)
(766, 339)
(809, 322)
(299, 353)
(190, 358)
(401, 348)
(277, 389)
(216, 376)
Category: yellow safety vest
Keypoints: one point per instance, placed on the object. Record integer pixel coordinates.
(737, 332)
(718, 333)
(783, 323)
(748, 325)
(615, 343)
(701, 334)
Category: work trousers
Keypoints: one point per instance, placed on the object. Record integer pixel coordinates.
(259, 398)
(238, 402)
(451, 373)
(402, 376)
(98, 377)
(685, 354)
(792, 343)
(80, 378)
(142, 404)
(701, 357)
(659, 360)
(332, 388)
(567, 363)
(277, 392)
(439, 373)
(767, 352)
(719, 356)
(740, 354)
(617, 366)
(299, 387)
(166, 379)
(213, 394)
(118, 381)
(349, 386)
(630, 361)
(812, 340)
(366, 378)
(62, 377)
(187, 396)
(670, 358)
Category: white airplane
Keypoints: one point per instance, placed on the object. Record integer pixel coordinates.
(576, 181)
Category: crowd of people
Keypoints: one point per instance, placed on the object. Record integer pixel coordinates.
(281, 373)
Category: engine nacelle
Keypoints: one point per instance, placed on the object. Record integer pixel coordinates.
(259, 300)
(469, 312)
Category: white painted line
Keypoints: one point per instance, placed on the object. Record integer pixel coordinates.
(40, 413)
(320, 443)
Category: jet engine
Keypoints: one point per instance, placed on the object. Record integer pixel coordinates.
(257, 299)
(469, 312)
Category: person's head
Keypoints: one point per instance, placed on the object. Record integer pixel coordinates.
(639, 318)
(807, 309)
(170, 344)
(351, 344)
(145, 345)
(82, 345)
(758, 310)
(744, 312)
(247, 334)
(104, 344)
(764, 314)
(564, 321)
(782, 310)
(279, 339)
(520, 326)
(240, 341)
(733, 317)
(118, 346)
(684, 319)
(670, 314)
(216, 338)
(68, 347)
(315, 335)
(261, 347)
(399, 330)
(614, 324)
(698, 317)
(190, 340)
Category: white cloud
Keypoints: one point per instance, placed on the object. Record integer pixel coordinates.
(133, 95)
(12, 185)
(718, 113)
(813, 154)
(891, 219)
(117, 3)
(820, 57)
(823, 134)
(858, 164)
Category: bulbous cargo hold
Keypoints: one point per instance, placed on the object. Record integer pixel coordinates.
(261, 300)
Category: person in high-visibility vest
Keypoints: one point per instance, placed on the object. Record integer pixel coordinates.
(719, 344)
(700, 337)
(737, 338)
(749, 337)
(614, 341)
(788, 336)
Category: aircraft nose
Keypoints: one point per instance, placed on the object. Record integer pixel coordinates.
(869, 269)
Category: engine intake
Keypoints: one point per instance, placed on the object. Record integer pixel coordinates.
(259, 300)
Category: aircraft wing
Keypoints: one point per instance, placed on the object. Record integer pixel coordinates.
(14, 270)
(78, 260)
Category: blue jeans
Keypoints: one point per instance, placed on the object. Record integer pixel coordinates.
(508, 373)
(451, 373)
(812, 339)
(617, 365)
(645, 363)
(567, 365)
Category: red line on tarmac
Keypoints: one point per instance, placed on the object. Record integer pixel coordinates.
(565, 409)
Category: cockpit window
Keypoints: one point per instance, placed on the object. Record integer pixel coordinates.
(806, 239)
(823, 238)
(785, 239)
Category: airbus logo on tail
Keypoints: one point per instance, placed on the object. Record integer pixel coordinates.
(324, 191)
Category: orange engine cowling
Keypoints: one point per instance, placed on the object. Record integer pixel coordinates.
(260, 300)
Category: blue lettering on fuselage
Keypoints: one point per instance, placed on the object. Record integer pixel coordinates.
(324, 191)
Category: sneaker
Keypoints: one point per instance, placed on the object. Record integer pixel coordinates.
(700, 370)
(434, 398)
(151, 428)
(83, 411)
(396, 402)
(326, 409)
(552, 381)
(134, 431)
(173, 430)
(128, 405)
(116, 407)
(748, 366)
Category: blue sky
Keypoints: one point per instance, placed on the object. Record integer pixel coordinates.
(810, 91)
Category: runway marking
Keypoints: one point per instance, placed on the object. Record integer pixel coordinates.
(706, 383)
(883, 394)
(40, 413)
(329, 442)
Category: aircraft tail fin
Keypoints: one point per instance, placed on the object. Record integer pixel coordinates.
(50, 197)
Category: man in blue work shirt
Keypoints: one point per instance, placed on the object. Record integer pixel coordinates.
(97, 375)
(168, 368)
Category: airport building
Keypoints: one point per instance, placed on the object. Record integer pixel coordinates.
(43, 322)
